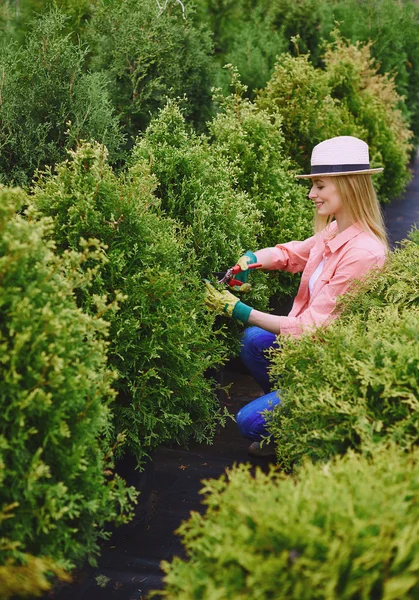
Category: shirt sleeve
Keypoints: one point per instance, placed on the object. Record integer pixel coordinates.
(354, 265)
(291, 257)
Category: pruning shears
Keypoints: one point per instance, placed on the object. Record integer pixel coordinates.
(228, 276)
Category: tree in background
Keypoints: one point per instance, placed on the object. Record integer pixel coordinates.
(150, 54)
(49, 101)
(346, 97)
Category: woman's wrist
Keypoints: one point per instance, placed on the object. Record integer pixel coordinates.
(242, 312)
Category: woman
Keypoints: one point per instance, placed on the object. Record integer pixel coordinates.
(349, 241)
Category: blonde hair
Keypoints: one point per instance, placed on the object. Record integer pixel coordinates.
(359, 199)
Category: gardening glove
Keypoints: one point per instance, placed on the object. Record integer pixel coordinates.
(244, 261)
(225, 303)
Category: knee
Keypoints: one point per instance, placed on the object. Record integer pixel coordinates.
(246, 423)
(250, 419)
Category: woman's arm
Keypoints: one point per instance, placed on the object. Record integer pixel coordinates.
(291, 257)
(268, 322)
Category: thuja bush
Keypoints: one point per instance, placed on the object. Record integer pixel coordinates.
(375, 104)
(346, 530)
(252, 139)
(198, 187)
(243, 34)
(150, 54)
(347, 97)
(161, 341)
(48, 101)
(302, 95)
(57, 489)
(354, 383)
(392, 27)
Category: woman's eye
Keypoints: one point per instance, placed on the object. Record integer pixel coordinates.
(320, 187)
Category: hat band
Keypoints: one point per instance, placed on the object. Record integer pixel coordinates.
(338, 168)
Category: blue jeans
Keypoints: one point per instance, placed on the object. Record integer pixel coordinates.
(250, 421)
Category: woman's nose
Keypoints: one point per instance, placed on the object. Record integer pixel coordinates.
(312, 194)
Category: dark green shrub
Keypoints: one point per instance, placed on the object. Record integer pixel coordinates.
(198, 187)
(253, 48)
(56, 487)
(253, 140)
(345, 530)
(161, 340)
(306, 19)
(150, 55)
(348, 97)
(48, 102)
(245, 36)
(393, 29)
(355, 383)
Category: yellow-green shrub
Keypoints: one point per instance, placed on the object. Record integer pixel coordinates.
(347, 97)
(57, 488)
(356, 382)
(161, 340)
(345, 530)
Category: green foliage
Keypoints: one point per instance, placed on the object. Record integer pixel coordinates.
(48, 101)
(302, 95)
(197, 186)
(355, 383)
(253, 140)
(245, 36)
(392, 27)
(161, 340)
(347, 97)
(305, 20)
(28, 578)
(253, 47)
(373, 101)
(150, 55)
(56, 484)
(345, 530)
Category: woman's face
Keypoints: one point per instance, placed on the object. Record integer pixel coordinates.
(326, 198)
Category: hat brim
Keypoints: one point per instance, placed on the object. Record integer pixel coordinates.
(362, 172)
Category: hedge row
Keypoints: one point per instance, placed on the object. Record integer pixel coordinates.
(338, 521)
(163, 395)
(57, 484)
(111, 252)
(343, 531)
(107, 82)
(252, 34)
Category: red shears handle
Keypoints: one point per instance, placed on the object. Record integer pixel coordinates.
(237, 269)
(228, 277)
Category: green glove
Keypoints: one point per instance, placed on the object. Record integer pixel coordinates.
(244, 261)
(226, 303)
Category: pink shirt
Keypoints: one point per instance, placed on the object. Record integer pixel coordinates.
(347, 256)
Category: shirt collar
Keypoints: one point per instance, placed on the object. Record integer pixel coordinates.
(341, 238)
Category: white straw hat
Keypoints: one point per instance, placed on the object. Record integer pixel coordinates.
(343, 155)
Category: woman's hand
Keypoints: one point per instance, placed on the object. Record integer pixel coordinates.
(244, 261)
(221, 302)
(226, 303)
